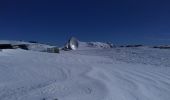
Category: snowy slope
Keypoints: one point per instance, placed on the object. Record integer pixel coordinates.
(91, 45)
(86, 74)
(31, 46)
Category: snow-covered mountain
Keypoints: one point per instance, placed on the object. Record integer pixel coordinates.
(100, 45)
(89, 73)
(31, 46)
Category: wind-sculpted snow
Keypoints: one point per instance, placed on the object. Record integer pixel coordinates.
(85, 74)
(142, 55)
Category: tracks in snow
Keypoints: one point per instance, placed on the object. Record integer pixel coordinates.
(71, 76)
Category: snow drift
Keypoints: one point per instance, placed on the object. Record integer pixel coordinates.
(85, 74)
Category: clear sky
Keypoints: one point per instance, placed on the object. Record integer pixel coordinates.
(117, 21)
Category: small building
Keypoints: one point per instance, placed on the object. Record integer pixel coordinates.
(53, 50)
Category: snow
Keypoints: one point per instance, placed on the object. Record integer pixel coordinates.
(89, 73)
(98, 44)
(12, 42)
(31, 46)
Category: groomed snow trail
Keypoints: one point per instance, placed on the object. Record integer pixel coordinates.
(80, 75)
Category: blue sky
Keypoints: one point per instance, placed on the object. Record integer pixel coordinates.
(117, 21)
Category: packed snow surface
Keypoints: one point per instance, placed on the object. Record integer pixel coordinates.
(86, 74)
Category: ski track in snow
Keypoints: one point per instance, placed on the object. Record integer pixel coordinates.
(94, 74)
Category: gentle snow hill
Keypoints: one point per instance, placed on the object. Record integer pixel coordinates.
(94, 45)
(88, 73)
(31, 46)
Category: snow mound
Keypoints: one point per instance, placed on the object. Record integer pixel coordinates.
(13, 42)
(162, 47)
(30, 46)
(38, 47)
(99, 45)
